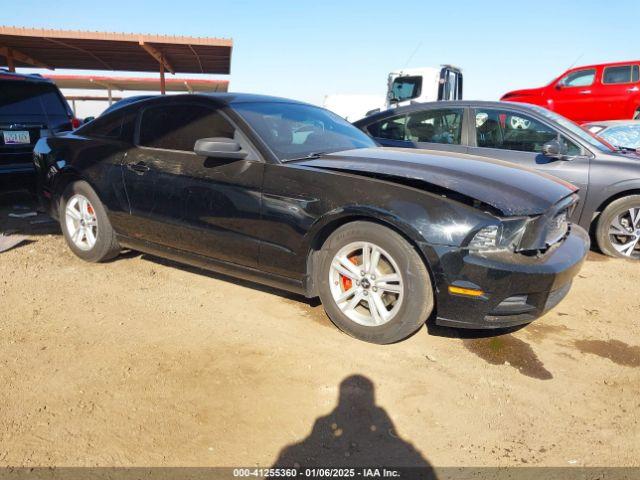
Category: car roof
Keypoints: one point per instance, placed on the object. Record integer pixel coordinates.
(224, 99)
(609, 64)
(416, 107)
(232, 97)
(611, 123)
(30, 77)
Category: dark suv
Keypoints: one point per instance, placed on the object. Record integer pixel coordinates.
(30, 107)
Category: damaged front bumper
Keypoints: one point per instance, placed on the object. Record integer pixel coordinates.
(515, 288)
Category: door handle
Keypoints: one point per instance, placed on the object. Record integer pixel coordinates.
(584, 92)
(139, 168)
(632, 89)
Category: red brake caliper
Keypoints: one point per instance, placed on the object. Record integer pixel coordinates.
(346, 281)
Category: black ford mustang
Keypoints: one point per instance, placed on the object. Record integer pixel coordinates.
(290, 195)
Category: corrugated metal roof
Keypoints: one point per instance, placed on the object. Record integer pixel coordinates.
(85, 50)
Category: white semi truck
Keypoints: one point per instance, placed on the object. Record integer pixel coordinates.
(427, 84)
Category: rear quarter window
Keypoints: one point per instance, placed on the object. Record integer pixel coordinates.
(620, 74)
(118, 125)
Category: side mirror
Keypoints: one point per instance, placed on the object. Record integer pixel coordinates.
(554, 149)
(219, 147)
(559, 86)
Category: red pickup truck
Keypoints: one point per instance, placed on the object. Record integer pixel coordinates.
(609, 91)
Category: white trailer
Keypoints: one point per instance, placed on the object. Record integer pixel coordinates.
(353, 107)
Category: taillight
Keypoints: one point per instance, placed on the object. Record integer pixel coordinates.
(75, 122)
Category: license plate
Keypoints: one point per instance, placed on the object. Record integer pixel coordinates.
(17, 137)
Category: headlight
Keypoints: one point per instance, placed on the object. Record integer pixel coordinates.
(485, 239)
(558, 228)
(506, 235)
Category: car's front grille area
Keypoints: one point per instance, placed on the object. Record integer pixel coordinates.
(514, 305)
(527, 307)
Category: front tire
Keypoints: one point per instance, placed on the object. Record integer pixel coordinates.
(85, 225)
(618, 230)
(373, 284)
(636, 116)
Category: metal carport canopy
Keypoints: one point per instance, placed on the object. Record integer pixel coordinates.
(109, 83)
(96, 82)
(71, 49)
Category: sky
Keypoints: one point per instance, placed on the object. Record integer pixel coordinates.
(308, 49)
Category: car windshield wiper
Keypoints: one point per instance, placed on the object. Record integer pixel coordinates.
(626, 149)
(311, 156)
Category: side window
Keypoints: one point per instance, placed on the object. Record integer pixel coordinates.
(613, 75)
(435, 126)
(116, 125)
(571, 148)
(581, 78)
(511, 131)
(177, 127)
(635, 76)
(390, 128)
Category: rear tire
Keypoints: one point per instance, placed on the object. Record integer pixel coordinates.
(377, 265)
(85, 225)
(621, 216)
(636, 116)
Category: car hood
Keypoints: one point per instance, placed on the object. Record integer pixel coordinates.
(511, 189)
(525, 92)
(629, 154)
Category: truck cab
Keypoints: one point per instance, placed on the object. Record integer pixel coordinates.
(404, 87)
(421, 85)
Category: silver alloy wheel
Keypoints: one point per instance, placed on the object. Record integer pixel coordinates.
(81, 221)
(624, 232)
(366, 284)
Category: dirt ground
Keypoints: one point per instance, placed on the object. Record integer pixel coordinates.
(148, 363)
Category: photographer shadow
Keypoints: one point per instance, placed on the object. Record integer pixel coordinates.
(357, 433)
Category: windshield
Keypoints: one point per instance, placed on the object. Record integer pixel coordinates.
(26, 98)
(406, 88)
(625, 136)
(574, 128)
(294, 130)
